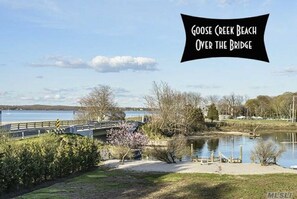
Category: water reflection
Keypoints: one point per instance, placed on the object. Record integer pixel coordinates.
(212, 144)
(230, 146)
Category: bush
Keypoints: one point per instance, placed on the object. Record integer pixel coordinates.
(118, 152)
(266, 152)
(176, 148)
(28, 162)
(152, 131)
(126, 138)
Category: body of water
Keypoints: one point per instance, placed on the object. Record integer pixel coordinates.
(41, 115)
(230, 146)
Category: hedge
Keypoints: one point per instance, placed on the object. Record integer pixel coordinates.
(26, 163)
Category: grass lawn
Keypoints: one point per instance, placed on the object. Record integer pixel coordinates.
(264, 125)
(108, 183)
(266, 122)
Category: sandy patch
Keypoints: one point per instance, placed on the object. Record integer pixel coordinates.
(195, 167)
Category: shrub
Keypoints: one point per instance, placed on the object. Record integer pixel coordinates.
(176, 148)
(152, 131)
(118, 152)
(126, 138)
(24, 163)
(266, 152)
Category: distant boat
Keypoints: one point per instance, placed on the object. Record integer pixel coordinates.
(252, 134)
(293, 167)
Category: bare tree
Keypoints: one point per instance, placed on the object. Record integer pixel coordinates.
(174, 111)
(98, 104)
(231, 104)
(266, 152)
(212, 99)
(176, 148)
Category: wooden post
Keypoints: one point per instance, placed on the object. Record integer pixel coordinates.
(212, 156)
(38, 133)
(23, 135)
(240, 156)
(220, 156)
(191, 150)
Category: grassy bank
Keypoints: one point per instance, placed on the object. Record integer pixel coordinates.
(104, 183)
(264, 125)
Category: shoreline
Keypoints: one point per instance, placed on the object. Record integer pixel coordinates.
(196, 167)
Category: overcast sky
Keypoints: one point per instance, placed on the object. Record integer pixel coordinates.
(54, 52)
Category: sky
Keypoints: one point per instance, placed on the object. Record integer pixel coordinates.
(55, 51)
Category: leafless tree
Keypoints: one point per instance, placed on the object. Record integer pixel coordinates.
(212, 99)
(98, 104)
(230, 104)
(174, 111)
(266, 152)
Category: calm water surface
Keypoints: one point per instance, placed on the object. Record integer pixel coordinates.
(41, 115)
(230, 146)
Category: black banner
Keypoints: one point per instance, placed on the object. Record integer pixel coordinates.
(207, 38)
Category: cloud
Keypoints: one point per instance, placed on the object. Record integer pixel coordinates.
(120, 90)
(224, 3)
(102, 64)
(258, 87)
(4, 93)
(61, 62)
(59, 90)
(287, 71)
(39, 77)
(203, 86)
(120, 63)
(45, 98)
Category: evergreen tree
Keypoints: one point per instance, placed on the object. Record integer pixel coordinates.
(212, 113)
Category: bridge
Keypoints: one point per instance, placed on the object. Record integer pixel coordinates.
(85, 128)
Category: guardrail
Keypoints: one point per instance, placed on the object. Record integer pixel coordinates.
(31, 129)
(43, 124)
(98, 125)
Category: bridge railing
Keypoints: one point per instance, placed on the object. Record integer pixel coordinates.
(31, 129)
(100, 125)
(43, 124)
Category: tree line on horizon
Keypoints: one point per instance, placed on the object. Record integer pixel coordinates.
(171, 104)
(274, 107)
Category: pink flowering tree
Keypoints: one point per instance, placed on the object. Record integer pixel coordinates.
(125, 137)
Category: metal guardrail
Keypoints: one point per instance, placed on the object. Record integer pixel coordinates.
(43, 124)
(31, 129)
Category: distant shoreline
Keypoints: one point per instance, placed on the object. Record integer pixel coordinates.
(57, 108)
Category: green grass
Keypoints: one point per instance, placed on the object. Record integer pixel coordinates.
(266, 122)
(136, 118)
(105, 183)
(264, 125)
